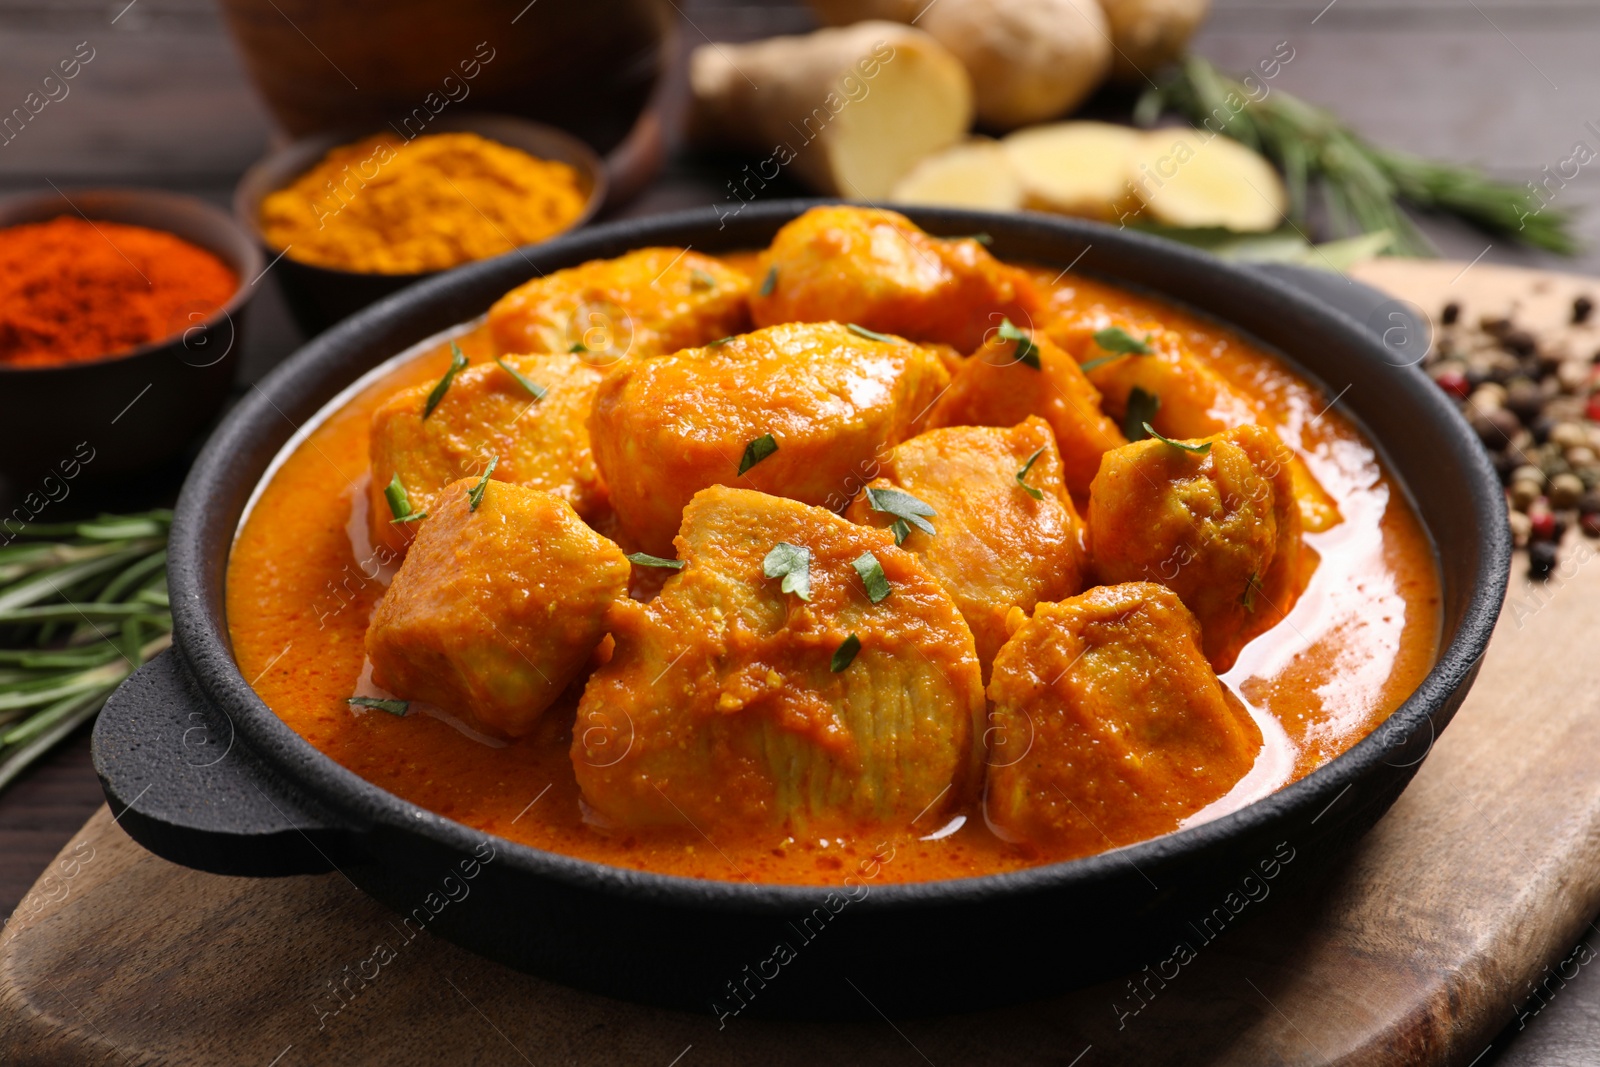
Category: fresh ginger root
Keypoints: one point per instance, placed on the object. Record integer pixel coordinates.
(849, 110)
(1189, 178)
(1149, 34)
(1030, 60)
(973, 174)
(1075, 168)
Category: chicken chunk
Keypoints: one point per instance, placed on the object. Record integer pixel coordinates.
(540, 442)
(1008, 379)
(1221, 529)
(996, 547)
(1191, 399)
(495, 609)
(645, 303)
(754, 697)
(1108, 725)
(878, 270)
(795, 410)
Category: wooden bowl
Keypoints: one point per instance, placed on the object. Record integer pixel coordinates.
(320, 296)
(132, 409)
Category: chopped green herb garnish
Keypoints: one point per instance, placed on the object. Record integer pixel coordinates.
(792, 563)
(872, 576)
(393, 707)
(645, 559)
(400, 503)
(758, 450)
(1116, 339)
(904, 506)
(577, 347)
(845, 654)
(981, 238)
(475, 494)
(770, 282)
(1022, 476)
(1252, 586)
(458, 363)
(1199, 450)
(1142, 408)
(1119, 343)
(900, 530)
(719, 342)
(871, 335)
(699, 279)
(1027, 351)
(523, 380)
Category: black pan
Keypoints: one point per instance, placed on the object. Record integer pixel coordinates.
(201, 772)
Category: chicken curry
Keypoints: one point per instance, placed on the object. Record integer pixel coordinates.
(767, 566)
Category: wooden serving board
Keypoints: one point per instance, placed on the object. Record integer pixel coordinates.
(1419, 949)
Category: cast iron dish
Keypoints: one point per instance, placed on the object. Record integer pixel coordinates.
(204, 774)
(130, 409)
(321, 296)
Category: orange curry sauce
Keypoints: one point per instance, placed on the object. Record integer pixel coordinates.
(1360, 639)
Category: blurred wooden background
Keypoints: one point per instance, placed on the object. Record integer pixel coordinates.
(164, 102)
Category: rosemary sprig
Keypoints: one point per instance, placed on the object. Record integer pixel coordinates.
(1363, 186)
(82, 605)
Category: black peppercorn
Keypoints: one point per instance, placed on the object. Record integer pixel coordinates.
(1452, 312)
(1541, 560)
(1521, 342)
(1580, 309)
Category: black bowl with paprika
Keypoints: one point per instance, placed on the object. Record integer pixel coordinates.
(120, 315)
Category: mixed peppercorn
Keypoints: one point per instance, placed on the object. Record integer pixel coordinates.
(1536, 408)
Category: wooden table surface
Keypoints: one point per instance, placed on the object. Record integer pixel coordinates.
(164, 102)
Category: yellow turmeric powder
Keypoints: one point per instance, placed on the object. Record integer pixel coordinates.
(388, 206)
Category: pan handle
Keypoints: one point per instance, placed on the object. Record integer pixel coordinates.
(185, 787)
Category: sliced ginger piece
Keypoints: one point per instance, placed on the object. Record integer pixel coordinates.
(1184, 179)
(975, 174)
(850, 110)
(1075, 168)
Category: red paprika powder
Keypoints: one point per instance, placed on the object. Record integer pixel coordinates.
(73, 290)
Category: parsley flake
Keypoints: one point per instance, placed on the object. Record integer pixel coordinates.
(699, 279)
(578, 347)
(475, 494)
(1027, 351)
(982, 238)
(393, 707)
(1198, 450)
(903, 506)
(1119, 343)
(1142, 408)
(758, 450)
(900, 530)
(538, 391)
(458, 363)
(400, 503)
(792, 563)
(645, 559)
(1252, 586)
(1022, 476)
(871, 335)
(770, 282)
(845, 654)
(719, 342)
(872, 576)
